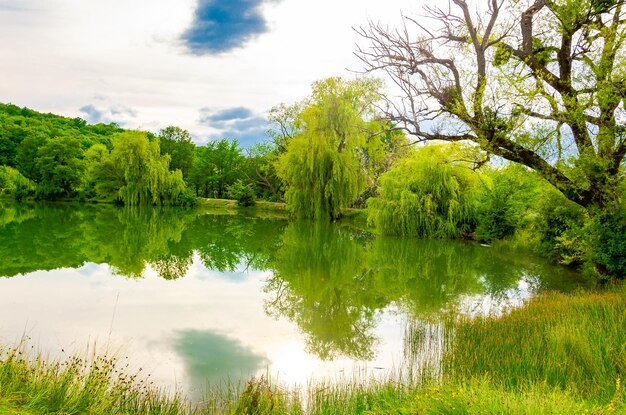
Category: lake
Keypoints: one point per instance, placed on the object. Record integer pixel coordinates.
(198, 299)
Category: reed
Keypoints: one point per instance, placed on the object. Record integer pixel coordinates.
(575, 343)
(30, 384)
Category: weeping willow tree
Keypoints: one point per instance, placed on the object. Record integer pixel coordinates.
(136, 173)
(432, 193)
(322, 165)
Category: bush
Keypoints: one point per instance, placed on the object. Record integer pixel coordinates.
(13, 183)
(243, 193)
(607, 240)
(559, 224)
(187, 198)
(505, 202)
(428, 194)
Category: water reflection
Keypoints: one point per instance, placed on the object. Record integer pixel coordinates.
(333, 281)
(320, 282)
(50, 236)
(338, 286)
(211, 358)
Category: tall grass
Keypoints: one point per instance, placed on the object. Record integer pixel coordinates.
(575, 343)
(29, 384)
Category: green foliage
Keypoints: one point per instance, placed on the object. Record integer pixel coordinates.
(19, 124)
(259, 168)
(217, 166)
(504, 203)
(432, 193)
(607, 235)
(242, 193)
(320, 180)
(532, 97)
(13, 183)
(187, 198)
(286, 124)
(177, 143)
(501, 56)
(558, 224)
(27, 153)
(60, 167)
(572, 343)
(321, 166)
(137, 174)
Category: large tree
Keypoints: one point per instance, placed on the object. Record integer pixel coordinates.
(136, 172)
(217, 165)
(325, 164)
(60, 166)
(537, 82)
(177, 143)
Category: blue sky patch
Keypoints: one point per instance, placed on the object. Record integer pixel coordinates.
(237, 113)
(94, 115)
(117, 114)
(223, 25)
(237, 123)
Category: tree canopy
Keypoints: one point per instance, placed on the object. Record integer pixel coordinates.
(138, 173)
(323, 165)
(432, 193)
(537, 82)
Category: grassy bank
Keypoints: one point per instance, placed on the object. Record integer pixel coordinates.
(81, 385)
(576, 343)
(354, 217)
(229, 207)
(559, 355)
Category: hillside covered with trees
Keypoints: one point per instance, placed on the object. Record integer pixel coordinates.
(49, 157)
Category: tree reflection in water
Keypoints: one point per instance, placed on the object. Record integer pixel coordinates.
(332, 281)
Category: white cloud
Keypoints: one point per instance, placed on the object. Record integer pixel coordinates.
(59, 55)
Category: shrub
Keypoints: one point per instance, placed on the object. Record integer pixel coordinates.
(559, 225)
(504, 204)
(243, 193)
(13, 183)
(428, 194)
(186, 199)
(607, 241)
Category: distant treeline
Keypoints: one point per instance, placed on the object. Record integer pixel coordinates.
(49, 157)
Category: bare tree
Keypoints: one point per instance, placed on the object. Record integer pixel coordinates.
(537, 82)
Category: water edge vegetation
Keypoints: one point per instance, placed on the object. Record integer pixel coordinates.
(571, 361)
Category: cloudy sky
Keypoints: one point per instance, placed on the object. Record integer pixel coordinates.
(214, 67)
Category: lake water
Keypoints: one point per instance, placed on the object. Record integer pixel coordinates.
(198, 300)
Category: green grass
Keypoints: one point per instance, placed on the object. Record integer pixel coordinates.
(557, 355)
(217, 203)
(260, 209)
(96, 385)
(575, 342)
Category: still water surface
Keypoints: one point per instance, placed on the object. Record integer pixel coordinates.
(196, 300)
